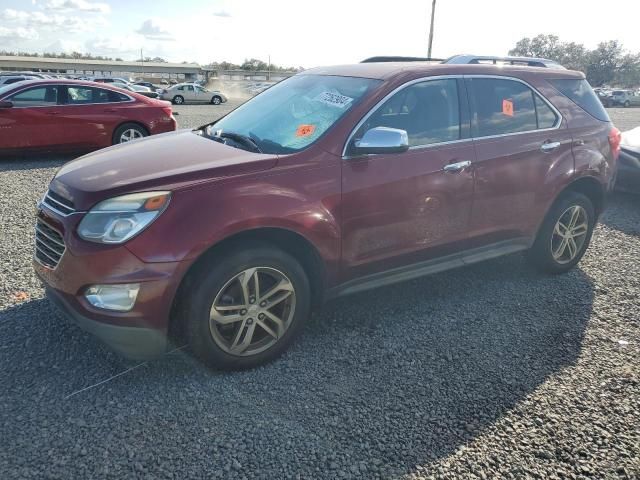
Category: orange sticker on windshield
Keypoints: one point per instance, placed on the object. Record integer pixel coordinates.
(305, 130)
(507, 107)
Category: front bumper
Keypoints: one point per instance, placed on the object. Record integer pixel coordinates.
(628, 176)
(137, 343)
(138, 333)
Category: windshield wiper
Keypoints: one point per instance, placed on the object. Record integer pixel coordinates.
(238, 138)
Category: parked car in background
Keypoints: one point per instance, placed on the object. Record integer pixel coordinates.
(604, 96)
(74, 116)
(333, 181)
(192, 93)
(110, 80)
(149, 85)
(625, 98)
(29, 74)
(138, 89)
(9, 79)
(628, 178)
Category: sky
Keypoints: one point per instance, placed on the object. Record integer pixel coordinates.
(304, 33)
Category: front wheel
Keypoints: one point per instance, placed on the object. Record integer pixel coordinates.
(216, 100)
(247, 307)
(564, 235)
(178, 100)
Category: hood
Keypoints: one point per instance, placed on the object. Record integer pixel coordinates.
(168, 161)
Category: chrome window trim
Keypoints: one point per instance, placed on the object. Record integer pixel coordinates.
(131, 99)
(557, 125)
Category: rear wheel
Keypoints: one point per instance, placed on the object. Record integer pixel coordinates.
(564, 235)
(127, 132)
(178, 100)
(627, 104)
(216, 100)
(247, 308)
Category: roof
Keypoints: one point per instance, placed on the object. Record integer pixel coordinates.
(11, 58)
(387, 70)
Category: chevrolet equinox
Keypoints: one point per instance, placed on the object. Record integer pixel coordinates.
(333, 181)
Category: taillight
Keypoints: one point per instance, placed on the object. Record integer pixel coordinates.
(168, 111)
(614, 141)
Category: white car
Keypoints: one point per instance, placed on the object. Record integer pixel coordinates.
(131, 86)
(192, 93)
(9, 79)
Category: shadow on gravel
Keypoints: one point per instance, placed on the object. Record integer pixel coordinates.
(623, 213)
(380, 383)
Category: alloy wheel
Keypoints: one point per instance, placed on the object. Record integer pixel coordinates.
(130, 134)
(569, 234)
(252, 311)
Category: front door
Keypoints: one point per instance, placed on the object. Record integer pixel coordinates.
(31, 122)
(403, 208)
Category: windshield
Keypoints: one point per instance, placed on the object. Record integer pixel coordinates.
(296, 112)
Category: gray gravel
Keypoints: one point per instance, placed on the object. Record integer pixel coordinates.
(491, 371)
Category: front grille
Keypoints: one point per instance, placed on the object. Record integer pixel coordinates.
(58, 203)
(49, 245)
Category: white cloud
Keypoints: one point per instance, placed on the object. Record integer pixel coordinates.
(152, 29)
(39, 20)
(64, 46)
(120, 46)
(10, 35)
(81, 5)
(222, 13)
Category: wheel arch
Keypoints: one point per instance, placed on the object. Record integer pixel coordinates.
(285, 239)
(591, 188)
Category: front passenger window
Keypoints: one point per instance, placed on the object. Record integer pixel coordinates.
(428, 111)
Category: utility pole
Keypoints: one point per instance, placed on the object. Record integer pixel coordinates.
(433, 14)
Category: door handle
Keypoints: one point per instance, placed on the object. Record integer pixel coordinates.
(548, 147)
(457, 167)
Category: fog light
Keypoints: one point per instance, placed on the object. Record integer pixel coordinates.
(120, 298)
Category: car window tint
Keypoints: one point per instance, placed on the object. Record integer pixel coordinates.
(181, 87)
(86, 95)
(36, 97)
(118, 97)
(547, 118)
(501, 106)
(189, 87)
(580, 92)
(428, 111)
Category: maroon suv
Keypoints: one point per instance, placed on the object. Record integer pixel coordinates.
(334, 181)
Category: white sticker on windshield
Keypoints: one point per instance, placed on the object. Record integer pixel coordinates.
(334, 99)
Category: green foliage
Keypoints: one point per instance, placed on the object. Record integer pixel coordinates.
(607, 64)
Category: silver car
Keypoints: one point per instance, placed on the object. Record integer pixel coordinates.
(192, 93)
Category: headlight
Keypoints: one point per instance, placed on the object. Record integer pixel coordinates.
(118, 219)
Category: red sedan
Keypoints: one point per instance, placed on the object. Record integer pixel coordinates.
(76, 116)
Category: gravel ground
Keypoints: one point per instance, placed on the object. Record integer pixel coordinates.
(491, 371)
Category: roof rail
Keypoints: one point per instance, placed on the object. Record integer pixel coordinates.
(400, 59)
(480, 59)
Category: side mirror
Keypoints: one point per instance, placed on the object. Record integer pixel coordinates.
(381, 140)
(6, 104)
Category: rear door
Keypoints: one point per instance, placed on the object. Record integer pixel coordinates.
(32, 121)
(521, 144)
(90, 114)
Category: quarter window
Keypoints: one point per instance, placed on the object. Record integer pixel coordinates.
(428, 111)
(501, 106)
(36, 97)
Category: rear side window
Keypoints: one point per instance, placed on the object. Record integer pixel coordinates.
(501, 106)
(581, 93)
(87, 95)
(428, 111)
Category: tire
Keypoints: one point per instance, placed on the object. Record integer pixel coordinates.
(627, 104)
(550, 241)
(219, 283)
(127, 132)
(216, 100)
(177, 100)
